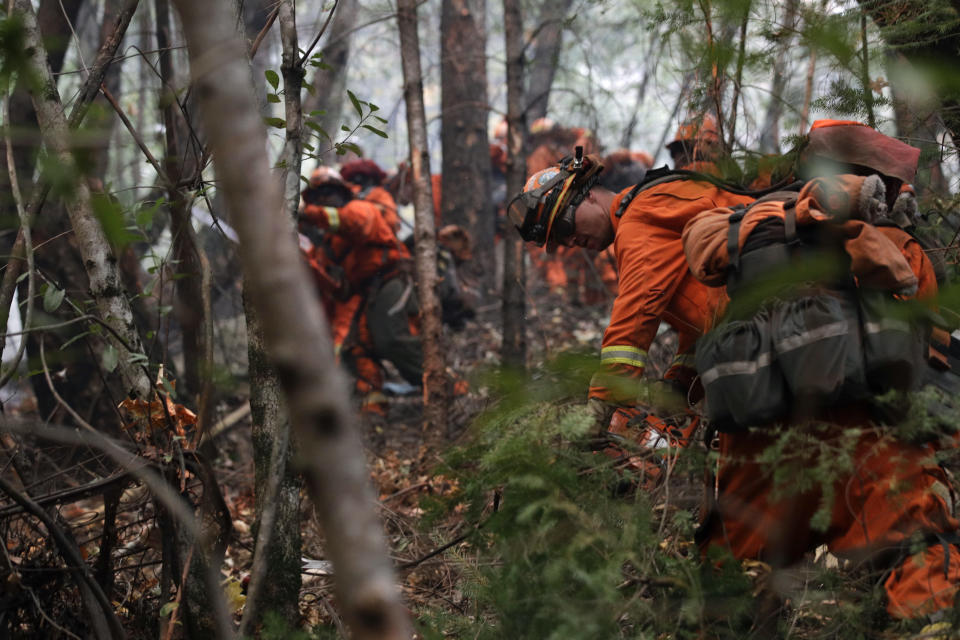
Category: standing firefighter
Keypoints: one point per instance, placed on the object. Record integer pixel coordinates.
(564, 205)
(375, 308)
(817, 329)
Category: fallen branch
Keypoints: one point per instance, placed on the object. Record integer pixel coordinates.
(70, 554)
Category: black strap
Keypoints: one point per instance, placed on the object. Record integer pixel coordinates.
(790, 223)
(663, 174)
(733, 236)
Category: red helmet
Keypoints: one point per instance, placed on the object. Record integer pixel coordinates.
(854, 143)
(326, 175)
(356, 170)
(543, 211)
(327, 188)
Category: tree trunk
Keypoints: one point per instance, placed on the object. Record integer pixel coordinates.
(513, 352)
(330, 85)
(546, 56)
(192, 302)
(98, 259)
(466, 150)
(255, 15)
(275, 579)
(915, 113)
(770, 130)
(82, 383)
(434, 376)
(294, 329)
(913, 28)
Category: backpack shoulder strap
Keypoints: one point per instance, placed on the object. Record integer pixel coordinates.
(733, 236)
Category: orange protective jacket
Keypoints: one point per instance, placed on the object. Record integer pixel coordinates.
(655, 283)
(915, 256)
(385, 203)
(360, 241)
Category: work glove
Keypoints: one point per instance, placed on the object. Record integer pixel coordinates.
(600, 412)
(664, 399)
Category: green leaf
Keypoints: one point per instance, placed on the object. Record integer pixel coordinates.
(317, 112)
(373, 107)
(22, 276)
(356, 102)
(272, 78)
(344, 127)
(109, 358)
(144, 217)
(320, 130)
(278, 123)
(52, 298)
(137, 357)
(343, 147)
(272, 97)
(383, 120)
(382, 134)
(309, 147)
(110, 214)
(168, 608)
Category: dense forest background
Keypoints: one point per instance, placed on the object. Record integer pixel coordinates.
(181, 457)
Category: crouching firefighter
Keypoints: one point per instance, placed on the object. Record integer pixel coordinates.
(819, 324)
(564, 205)
(375, 311)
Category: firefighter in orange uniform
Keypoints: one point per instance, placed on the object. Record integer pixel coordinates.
(374, 313)
(563, 205)
(366, 178)
(891, 503)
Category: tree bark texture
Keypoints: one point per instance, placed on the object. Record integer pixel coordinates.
(548, 39)
(330, 85)
(98, 259)
(275, 579)
(465, 185)
(279, 587)
(294, 328)
(434, 375)
(513, 352)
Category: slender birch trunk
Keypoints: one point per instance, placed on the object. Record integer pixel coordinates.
(434, 378)
(294, 329)
(513, 352)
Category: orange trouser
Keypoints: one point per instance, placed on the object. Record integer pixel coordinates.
(354, 345)
(892, 491)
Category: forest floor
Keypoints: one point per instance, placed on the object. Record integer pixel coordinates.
(435, 559)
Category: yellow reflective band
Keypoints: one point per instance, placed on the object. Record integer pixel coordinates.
(623, 354)
(333, 217)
